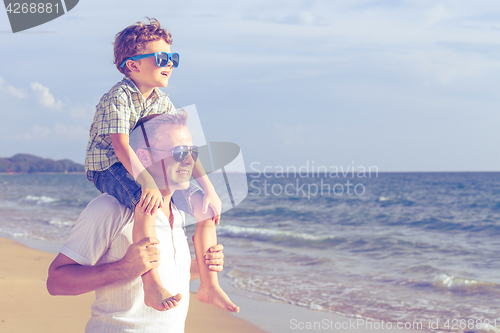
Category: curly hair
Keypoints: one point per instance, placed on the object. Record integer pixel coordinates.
(132, 40)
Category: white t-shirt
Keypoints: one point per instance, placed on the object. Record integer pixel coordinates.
(102, 235)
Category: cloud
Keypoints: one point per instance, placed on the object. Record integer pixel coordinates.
(58, 132)
(304, 18)
(436, 15)
(36, 132)
(70, 132)
(299, 18)
(45, 98)
(82, 112)
(447, 66)
(10, 90)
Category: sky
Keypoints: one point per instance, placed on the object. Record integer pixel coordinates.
(396, 85)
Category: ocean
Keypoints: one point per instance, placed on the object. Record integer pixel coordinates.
(392, 247)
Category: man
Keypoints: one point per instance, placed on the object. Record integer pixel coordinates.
(100, 255)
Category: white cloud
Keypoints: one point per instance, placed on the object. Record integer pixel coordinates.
(12, 91)
(70, 132)
(82, 112)
(436, 15)
(304, 18)
(58, 132)
(36, 132)
(447, 66)
(45, 98)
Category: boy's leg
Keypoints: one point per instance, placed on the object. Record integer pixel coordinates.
(116, 181)
(204, 238)
(155, 295)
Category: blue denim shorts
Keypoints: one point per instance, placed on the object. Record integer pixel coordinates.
(118, 182)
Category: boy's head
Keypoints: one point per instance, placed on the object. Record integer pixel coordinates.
(134, 39)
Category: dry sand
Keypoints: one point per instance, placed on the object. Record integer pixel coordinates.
(26, 306)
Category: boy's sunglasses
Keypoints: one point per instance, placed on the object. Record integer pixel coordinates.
(162, 58)
(181, 152)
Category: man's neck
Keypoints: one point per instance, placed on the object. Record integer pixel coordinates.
(166, 207)
(166, 195)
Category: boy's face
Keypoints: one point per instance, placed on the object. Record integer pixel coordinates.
(147, 74)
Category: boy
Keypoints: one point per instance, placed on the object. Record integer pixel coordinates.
(142, 53)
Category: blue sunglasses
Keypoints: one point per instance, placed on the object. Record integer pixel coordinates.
(162, 58)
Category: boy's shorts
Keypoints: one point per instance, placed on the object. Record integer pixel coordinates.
(116, 181)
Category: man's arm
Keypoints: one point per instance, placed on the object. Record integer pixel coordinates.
(67, 277)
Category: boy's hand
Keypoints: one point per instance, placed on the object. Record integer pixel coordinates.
(211, 199)
(151, 200)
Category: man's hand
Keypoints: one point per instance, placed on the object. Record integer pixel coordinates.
(140, 258)
(215, 259)
(67, 277)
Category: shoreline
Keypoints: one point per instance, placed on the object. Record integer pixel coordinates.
(278, 317)
(23, 274)
(258, 313)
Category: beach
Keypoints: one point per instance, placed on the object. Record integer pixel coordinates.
(26, 306)
(414, 249)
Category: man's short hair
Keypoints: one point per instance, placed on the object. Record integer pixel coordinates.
(132, 41)
(148, 128)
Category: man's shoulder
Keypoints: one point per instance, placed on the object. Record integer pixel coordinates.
(104, 200)
(98, 225)
(104, 215)
(106, 204)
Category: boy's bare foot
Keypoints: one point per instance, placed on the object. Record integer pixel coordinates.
(160, 299)
(216, 296)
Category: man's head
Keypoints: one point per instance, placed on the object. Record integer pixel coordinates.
(139, 39)
(164, 146)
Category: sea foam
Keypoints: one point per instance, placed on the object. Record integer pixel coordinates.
(39, 200)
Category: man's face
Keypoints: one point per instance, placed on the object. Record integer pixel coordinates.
(178, 174)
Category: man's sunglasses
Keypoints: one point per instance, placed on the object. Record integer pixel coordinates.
(162, 58)
(181, 152)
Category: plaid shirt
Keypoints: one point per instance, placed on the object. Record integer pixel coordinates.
(117, 112)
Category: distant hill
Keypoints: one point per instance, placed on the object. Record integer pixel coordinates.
(31, 163)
